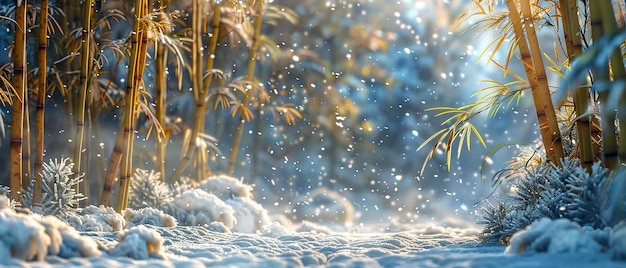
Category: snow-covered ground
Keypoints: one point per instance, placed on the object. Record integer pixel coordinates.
(242, 234)
(430, 246)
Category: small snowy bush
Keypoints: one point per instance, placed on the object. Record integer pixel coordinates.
(58, 189)
(148, 191)
(547, 191)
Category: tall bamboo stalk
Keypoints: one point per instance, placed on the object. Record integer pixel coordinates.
(533, 65)
(126, 171)
(18, 109)
(609, 25)
(573, 43)
(161, 97)
(85, 71)
(250, 77)
(203, 83)
(601, 76)
(123, 143)
(26, 169)
(41, 101)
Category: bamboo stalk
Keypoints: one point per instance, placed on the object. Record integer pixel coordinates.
(41, 101)
(581, 98)
(609, 130)
(126, 172)
(19, 83)
(26, 171)
(546, 115)
(250, 77)
(204, 84)
(609, 25)
(85, 68)
(122, 143)
(161, 97)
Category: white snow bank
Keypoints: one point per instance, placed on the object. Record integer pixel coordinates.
(226, 187)
(617, 242)
(198, 207)
(559, 236)
(149, 216)
(32, 237)
(139, 243)
(96, 219)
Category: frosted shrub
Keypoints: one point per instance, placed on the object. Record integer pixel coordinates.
(547, 191)
(58, 187)
(147, 190)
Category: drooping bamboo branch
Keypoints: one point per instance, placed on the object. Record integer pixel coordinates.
(18, 109)
(85, 71)
(601, 76)
(41, 101)
(250, 77)
(533, 64)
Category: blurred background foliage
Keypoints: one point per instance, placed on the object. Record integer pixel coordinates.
(336, 98)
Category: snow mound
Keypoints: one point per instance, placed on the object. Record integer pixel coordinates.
(150, 216)
(617, 242)
(22, 237)
(325, 206)
(558, 236)
(251, 216)
(96, 219)
(226, 187)
(139, 243)
(198, 207)
(32, 237)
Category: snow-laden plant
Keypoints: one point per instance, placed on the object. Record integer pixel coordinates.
(148, 191)
(59, 196)
(548, 191)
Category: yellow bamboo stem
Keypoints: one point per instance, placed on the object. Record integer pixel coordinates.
(161, 98)
(250, 77)
(19, 83)
(581, 98)
(609, 130)
(546, 115)
(85, 68)
(41, 101)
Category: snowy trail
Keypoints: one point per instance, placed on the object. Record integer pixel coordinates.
(199, 247)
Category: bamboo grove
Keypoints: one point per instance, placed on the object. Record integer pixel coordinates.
(589, 101)
(88, 65)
